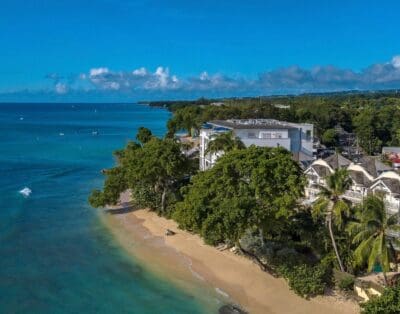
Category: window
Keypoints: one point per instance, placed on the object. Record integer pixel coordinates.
(308, 135)
(265, 134)
(251, 135)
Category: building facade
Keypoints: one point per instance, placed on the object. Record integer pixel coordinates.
(296, 138)
(368, 176)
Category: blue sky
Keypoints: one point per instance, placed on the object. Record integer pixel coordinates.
(122, 50)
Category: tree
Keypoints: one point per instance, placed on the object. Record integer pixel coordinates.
(143, 135)
(366, 129)
(226, 141)
(255, 188)
(114, 185)
(159, 164)
(187, 118)
(370, 234)
(331, 204)
(330, 138)
(387, 303)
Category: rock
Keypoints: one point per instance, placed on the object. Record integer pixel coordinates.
(169, 232)
(231, 309)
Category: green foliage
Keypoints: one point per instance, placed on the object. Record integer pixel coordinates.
(330, 138)
(224, 142)
(374, 117)
(144, 135)
(114, 184)
(251, 188)
(96, 199)
(305, 280)
(369, 233)
(366, 125)
(346, 283)
(387, 303)
(331, 206)
(186, 118)
(152, 172)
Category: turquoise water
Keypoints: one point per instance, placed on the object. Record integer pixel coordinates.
(55, 256)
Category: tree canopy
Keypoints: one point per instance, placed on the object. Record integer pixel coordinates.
(246, 189)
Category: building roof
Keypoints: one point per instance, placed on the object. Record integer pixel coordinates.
(321, 170)
(337, 161)
(392, 184)
(390, 149)
(359, 178)
(373, 166)
(252, 124)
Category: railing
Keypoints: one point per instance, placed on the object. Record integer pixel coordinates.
(353, 196)
(392, 207)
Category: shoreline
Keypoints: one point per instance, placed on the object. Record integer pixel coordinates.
(217, 275)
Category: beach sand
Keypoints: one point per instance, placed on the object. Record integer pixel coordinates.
(187, 261)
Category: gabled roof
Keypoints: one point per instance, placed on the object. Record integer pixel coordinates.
(359, 178)
(337, 161)
(392, 184)
(373, 166)
(321, 170)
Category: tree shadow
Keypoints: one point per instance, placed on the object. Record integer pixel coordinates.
(123, 208)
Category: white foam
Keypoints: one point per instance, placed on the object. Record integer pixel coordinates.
(26, 191)
(222, 292)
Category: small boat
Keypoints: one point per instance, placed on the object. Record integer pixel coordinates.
(95, 133)
(21, 118)
(61, 134)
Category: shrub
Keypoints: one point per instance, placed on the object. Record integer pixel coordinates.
(387, 303)
(305, 280)
(346, 283)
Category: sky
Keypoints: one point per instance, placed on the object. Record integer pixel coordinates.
(123, 50)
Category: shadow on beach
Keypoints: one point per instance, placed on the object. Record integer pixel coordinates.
(122, 208)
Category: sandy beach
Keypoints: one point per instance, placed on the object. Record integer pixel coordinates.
(186, 260)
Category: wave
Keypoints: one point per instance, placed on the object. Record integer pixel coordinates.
(26, 192)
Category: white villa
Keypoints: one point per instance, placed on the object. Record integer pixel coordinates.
(297, 138)
(369, 176)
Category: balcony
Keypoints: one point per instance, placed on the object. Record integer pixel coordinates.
(392, 207)
(266, 142)
(353, 196)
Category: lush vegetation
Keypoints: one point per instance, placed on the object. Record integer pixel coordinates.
(388, 303)
(153, 171)
(248, 189)
(250, 198)
(374, 118)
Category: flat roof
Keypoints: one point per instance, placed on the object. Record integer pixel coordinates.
(252, 124)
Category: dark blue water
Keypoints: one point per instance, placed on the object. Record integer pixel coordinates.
(55, 256)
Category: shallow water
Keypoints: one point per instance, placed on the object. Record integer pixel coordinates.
(55, 255)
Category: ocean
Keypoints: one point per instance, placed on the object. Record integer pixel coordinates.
(55, 254)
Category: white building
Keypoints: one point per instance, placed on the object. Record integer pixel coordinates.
(297, 138)
(368, 176)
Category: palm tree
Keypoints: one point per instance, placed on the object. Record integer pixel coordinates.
(332, 205)
(224, 142)
(370, 233)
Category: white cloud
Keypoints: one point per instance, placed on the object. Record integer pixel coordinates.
(140, 72)
(98, 71)
(61, 88)
(288, 79)
(396, 61)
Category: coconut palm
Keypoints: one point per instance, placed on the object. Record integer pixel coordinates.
(370, 233)
(224, 142)
(331, 204)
